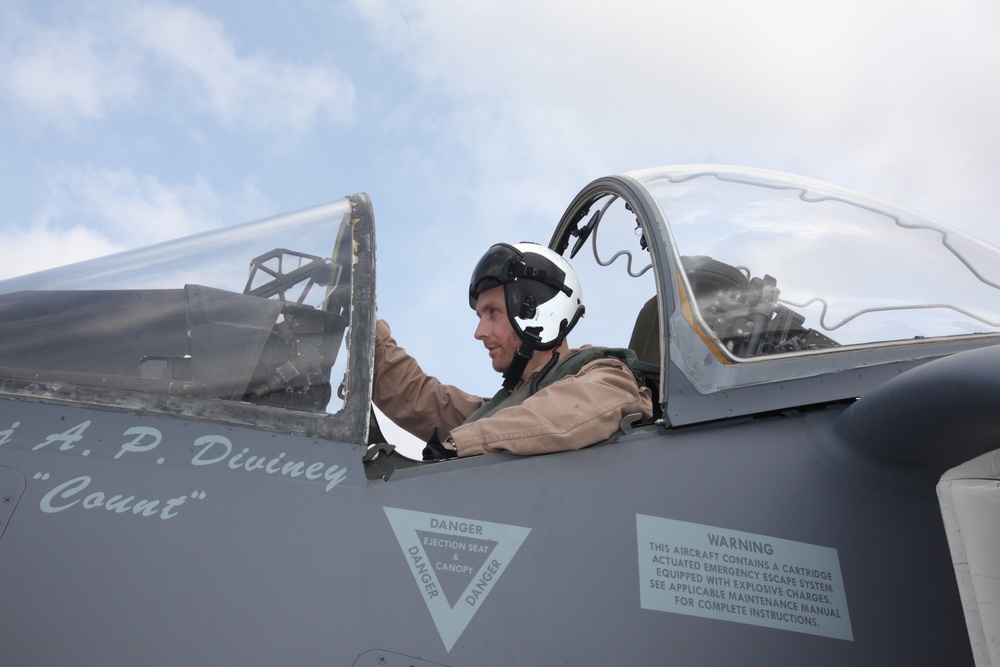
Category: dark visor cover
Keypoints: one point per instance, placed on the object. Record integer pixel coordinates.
(494, 269)
(532, 276)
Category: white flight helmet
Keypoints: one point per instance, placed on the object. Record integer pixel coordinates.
(542, 293)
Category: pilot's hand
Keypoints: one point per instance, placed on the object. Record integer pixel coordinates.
(435, 451)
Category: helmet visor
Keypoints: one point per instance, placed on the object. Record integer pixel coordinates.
(494, 269)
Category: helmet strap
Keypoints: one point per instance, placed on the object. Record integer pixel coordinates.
(513, 374)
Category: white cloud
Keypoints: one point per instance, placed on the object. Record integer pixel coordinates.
(140, 209)
(894, 98)
(696, 62)
(42, 246)
(254, 91)
(161, 51)
(64, 75)
(97, 212)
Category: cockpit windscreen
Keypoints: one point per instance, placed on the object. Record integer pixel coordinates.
(777, 267)
(255, 313)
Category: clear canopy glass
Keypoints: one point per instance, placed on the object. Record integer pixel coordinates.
(779, 266)
(254, 313)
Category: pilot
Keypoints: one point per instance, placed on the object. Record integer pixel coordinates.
(553, 398)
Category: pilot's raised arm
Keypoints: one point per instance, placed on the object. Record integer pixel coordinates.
(527, 298)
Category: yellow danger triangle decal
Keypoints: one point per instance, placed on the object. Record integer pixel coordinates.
(455, 561)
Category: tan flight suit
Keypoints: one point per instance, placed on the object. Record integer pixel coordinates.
(573, 412)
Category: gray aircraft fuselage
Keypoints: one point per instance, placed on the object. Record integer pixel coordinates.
(200, 511)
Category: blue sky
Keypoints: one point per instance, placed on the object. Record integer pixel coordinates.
(468, 123)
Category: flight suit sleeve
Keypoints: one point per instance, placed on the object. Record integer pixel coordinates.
(575, 412)
(415, 401)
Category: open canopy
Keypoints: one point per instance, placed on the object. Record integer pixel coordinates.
(253, 318)
(777, 283)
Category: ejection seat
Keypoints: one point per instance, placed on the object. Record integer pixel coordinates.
(645, 340)
(708, 278)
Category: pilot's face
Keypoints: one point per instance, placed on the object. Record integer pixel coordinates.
(495, 330)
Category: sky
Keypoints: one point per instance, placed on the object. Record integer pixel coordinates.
(128, 122)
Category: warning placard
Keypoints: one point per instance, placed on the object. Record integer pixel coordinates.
(700, 570)
(455, 561)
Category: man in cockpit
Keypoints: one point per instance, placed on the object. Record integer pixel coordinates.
(554, 398)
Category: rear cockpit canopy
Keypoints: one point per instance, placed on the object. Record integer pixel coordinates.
(765, 278)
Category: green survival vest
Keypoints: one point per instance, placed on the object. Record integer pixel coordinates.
(645, 375)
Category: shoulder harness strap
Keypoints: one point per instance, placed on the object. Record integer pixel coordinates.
(572, 365)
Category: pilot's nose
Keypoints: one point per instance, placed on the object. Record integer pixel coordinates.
(480, 330)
